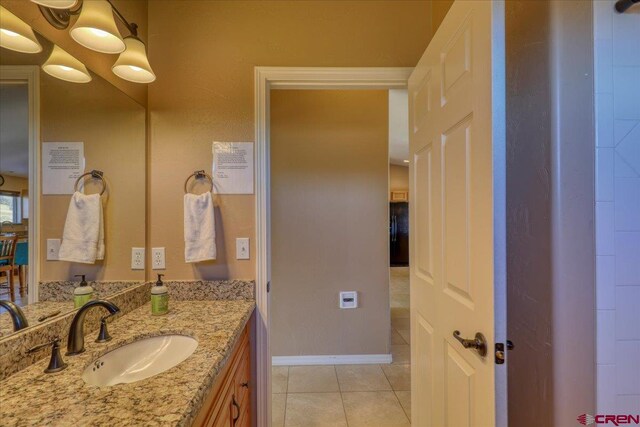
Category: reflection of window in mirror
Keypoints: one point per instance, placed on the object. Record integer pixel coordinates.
(24, 194)
(16, 139)
(10, 207)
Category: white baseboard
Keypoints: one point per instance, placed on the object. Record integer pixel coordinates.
(347, 359)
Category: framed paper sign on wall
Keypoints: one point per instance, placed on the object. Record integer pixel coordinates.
(233, 167)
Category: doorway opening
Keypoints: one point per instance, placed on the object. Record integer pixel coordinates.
(335, 360)
(267, 79)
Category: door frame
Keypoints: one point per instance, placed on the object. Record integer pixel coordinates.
(266, 79)
(30, 74)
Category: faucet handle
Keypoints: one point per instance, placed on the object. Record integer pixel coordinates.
(103, 335)
(48, 343)
(56, 363)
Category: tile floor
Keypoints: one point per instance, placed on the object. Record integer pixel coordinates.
(351, 395)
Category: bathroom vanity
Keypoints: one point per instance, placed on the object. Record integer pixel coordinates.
(211, 387)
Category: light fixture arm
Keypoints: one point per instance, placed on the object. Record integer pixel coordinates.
(132, 27)
(60, 18)
(622, 5)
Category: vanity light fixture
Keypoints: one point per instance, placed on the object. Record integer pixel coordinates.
(16, 35)
(406, 161)
(96, 28)
(133, 64)
(57, 4)
(65, 67)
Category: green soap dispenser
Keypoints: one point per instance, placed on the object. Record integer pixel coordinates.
(83, 293)
(159, 298)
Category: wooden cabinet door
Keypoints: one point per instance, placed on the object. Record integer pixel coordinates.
(242, 382)
(225, 417)
(229, 403)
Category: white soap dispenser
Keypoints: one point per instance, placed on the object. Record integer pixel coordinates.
(83, 293)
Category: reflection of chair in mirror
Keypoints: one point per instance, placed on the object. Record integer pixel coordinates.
(7, 252)
(21, 263)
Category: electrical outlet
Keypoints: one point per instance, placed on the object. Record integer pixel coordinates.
(137, 258)
(157, 258)
(242, 248)
(53, 249)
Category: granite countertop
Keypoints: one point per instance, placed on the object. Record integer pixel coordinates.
(171, 398)
(32, 312)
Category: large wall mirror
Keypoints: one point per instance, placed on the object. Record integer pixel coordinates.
(37, 109)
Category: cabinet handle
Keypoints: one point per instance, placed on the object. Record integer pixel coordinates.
(234, 403)
(245, 384)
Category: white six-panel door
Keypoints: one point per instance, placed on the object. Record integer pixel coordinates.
(456, 119)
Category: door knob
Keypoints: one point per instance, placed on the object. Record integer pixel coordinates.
(479, 343)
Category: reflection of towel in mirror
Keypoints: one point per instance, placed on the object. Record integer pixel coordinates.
(83, 236)
(199, 228)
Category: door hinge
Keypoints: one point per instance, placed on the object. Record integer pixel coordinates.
(499, 354)
(268, 287)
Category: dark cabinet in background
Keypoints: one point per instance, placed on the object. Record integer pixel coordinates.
(399, 234)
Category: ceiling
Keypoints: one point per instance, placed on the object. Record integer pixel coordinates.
(398, 127)
(14, 129)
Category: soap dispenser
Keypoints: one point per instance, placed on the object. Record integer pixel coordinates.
(159, 298)
(83, 293)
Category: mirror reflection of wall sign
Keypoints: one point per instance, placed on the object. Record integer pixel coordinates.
(62, 164)
(233, 167)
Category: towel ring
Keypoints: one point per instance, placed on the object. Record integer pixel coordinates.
(198, 175)
(95, 174)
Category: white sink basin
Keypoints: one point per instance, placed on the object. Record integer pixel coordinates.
(139, 360)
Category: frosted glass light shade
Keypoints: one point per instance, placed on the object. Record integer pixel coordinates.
(133, 64)
(57, 4)
(16, 35)
(96, 29)
(65, 67)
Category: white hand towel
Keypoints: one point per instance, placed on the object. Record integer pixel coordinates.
(100, 248)
(82, 229)
(199, 228)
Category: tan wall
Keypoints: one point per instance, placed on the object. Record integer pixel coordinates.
(439, 9)
(398, 178)
(329, 222)
(204, 54)
(550, 215)
(529, 287)
(14, 183)
(112, 127)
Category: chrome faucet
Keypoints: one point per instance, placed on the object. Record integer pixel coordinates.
(17, 316)
(75, 342)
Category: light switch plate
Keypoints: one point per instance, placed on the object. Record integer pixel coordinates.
(242, 248)
(53, 249)
(137, 258)
(157, 259)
